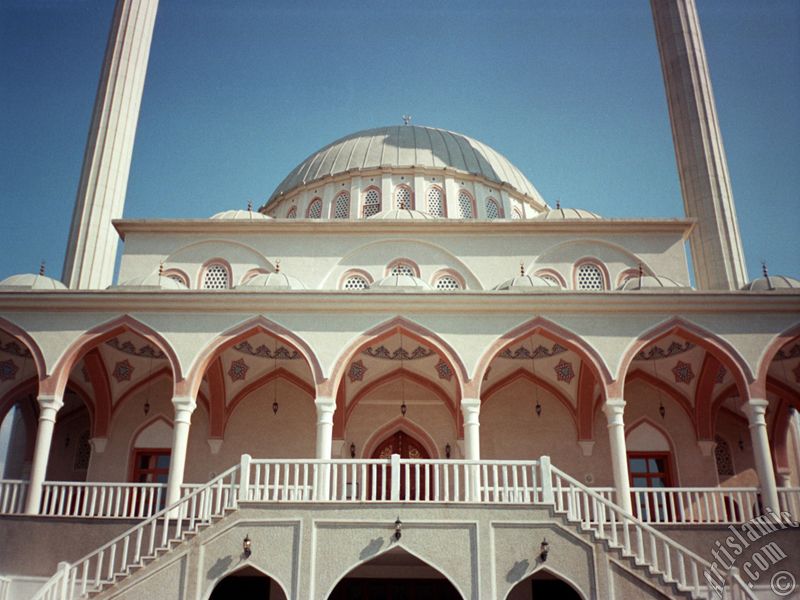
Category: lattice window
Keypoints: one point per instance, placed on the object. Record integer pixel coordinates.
(403, 269)
(83, 452)
(372, 203)
(342, 207)
(447, 282)
(464, 205)
(493, 209)
(402, 198)
(722, 454)
(356, 282)
(435, 202)
(216, 277)
(590, 277)
(314, 209)
(176, 276)
(292, 214)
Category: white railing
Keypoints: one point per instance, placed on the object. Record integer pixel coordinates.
(391, 480)
(789, 501)
(635, 538)
(5, 586)
(144, 541)
(12, 496)
(690, 506)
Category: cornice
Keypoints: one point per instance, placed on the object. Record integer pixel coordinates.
(333, 301)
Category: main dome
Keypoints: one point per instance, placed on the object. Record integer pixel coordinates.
(410, 146)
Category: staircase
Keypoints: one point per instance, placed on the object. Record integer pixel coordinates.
(644, 551)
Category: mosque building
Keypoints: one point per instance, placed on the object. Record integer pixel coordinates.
(405, 375)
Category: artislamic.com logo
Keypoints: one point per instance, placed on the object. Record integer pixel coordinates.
(755, 556)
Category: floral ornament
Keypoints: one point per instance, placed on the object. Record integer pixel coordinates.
(564, 371)
(123, 371)
(683, 372)
(356, 371)
(238, 370)
(443, 369)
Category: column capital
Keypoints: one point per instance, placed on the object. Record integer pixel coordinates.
(755, 409)
(52, 402)
(470, 405)
(614, 407)
(325, 403)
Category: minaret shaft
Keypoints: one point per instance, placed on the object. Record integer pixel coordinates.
(702, 167)
(92, 245)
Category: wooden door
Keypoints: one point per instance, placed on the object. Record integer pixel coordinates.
(407, 447)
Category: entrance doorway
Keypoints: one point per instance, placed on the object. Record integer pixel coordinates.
(247, 583)
(407, 447)
(543, 585)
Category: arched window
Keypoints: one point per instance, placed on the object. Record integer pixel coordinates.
(372, 202)
(493, 210)
(465, 205)
(342, 207)
(436, 201)
(589, 277)
(292, 213)
(314, 209)
(722, 454)
(551, 278)
(447, 283)
(216, 277)
(402, 268)
(403, 198)
(516, 214)
(355, 282)
(178, 276)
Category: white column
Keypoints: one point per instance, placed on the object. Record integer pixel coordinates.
(755, 409)
(325, 409)
(705, 185)
(92, 246)
(184, 407)
(614, 409)
(471, 409)
(48, 407)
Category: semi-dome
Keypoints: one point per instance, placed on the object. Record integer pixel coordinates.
(240, 215)
(563, 214)
(405, 282)
(273, 281)
(772, 282)
(526, 282)
(648, 282)
(407, 146)
(403, 214)
(31, 281)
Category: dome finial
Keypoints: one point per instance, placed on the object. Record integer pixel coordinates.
(406, 119)
(277, 265)
(764, 270)
(521, 268)
(161, 269)
(41, 268)
(249, 206)
(558, 204)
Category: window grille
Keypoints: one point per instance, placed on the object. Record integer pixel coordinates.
(356, 282)
(464, 205)
(315, 209)
(292, 214)
(551, 278)
(590, 277)
(403, 198)
(402, 269)
(216, 277)
(342, 207)
(372, 203)
(435, 202)
(492, 209)
(447, 282)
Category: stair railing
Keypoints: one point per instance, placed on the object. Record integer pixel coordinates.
(145, 540)
(635, 538)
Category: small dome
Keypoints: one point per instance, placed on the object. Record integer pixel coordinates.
(402, 214)
(648, 282)
(240, 215)
(563, 214)
(406, 282)
(526, 282)
(273, 281)
(772, 282)
(154, 280)
(30, 281)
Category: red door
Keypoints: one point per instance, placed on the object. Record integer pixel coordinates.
(407, 447)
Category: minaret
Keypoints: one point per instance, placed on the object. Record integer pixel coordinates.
(92, 245)
(705, 184)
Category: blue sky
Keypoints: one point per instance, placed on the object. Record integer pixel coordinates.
(569, 90)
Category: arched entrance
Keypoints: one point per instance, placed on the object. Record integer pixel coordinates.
(543, 585)
(394, 575)
(407, 447)
(247, 583)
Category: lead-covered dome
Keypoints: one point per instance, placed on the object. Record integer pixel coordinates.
(407, 146)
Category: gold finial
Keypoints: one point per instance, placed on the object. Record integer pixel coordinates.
(558, 204)
(41, 268)
(406, 119)
(249, 206)
(161, 269)
(764, 270)
(277, 265)
(522, 267)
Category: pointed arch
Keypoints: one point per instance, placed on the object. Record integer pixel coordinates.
(240, 332)
(766, 358)
(524, 374)
(103, 332)
(450, 403)
(163, 372)
(711, 342)
(413, 330)
(673, 469)
(398, 546)
(408, 427)
(662, 386)
(101, 387)
(553, 573)
(570, 340)
(10, 398)
(23, 336)
(246, 565)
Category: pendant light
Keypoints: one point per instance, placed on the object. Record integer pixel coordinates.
(403, 407)
(275, 375)
(538, 407)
